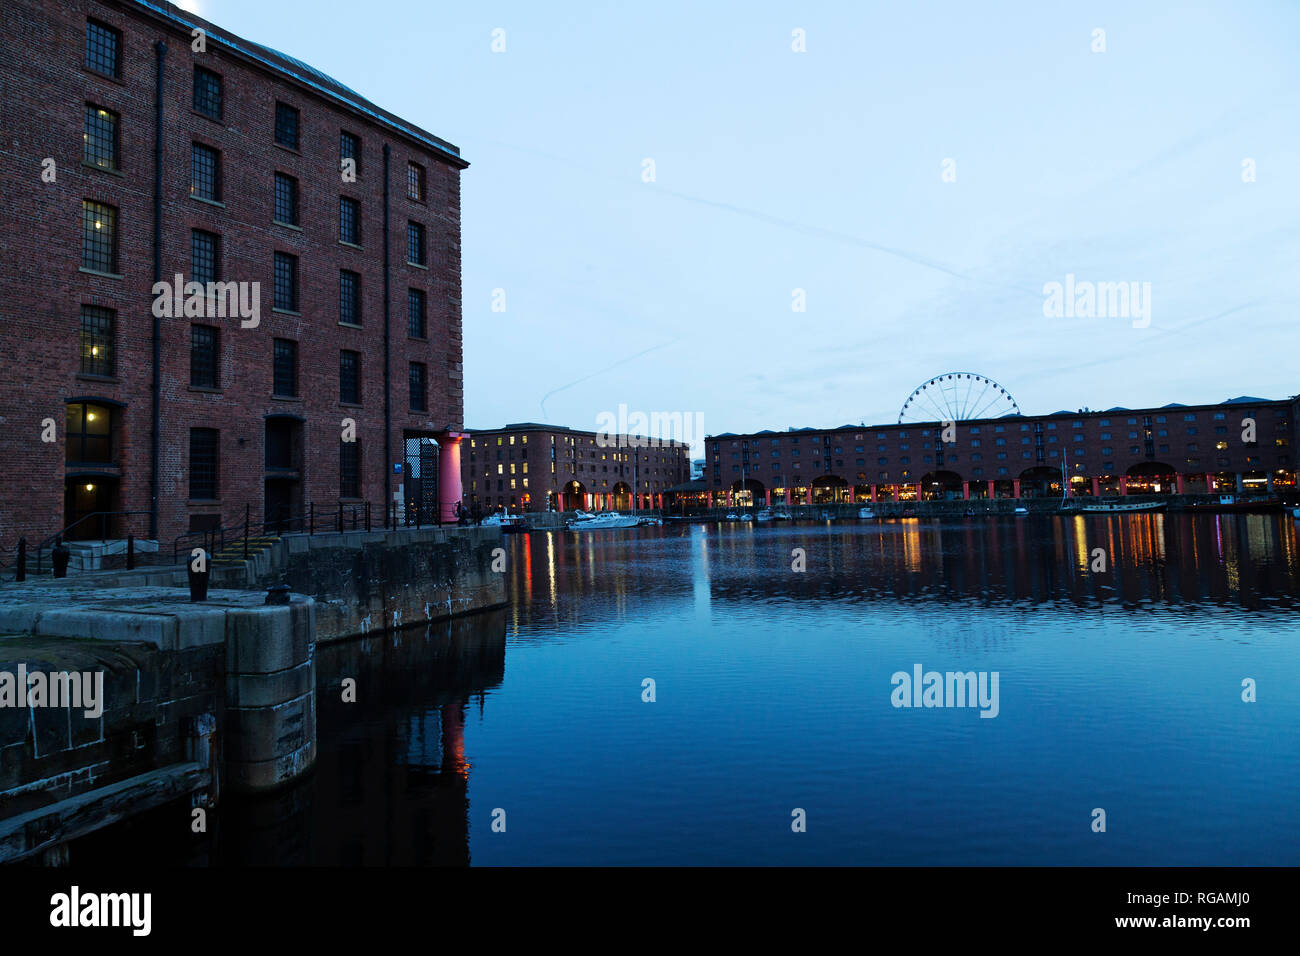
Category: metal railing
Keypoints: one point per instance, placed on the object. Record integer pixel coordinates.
(281, 521)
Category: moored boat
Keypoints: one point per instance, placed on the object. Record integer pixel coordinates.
(764, 515)
(1122, 507)
(508, 523)
(865, 514)
(606, 519)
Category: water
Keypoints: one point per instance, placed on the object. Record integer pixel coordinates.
(1119, 690)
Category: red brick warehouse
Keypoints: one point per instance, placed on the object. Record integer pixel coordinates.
(130, 156)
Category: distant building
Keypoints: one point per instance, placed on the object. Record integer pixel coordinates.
(533, 467)
(697, 469)
(1167, 450)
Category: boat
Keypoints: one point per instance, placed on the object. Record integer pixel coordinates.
(1021, 510)
(909, 512)
(746, 516)
(606, 519)
(1295, 513)
(780, 514)
(865, 514)
(827, 516)
(764, 515)
(732, 516)
(1122, 507)
(581, 515)
(508, 523)
(1244, 503)
(649, 521)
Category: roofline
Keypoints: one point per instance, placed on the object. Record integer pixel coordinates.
(1091, 413)
(446, 150)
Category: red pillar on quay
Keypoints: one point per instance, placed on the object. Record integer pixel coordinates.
(1015, 487)
(448, 475)
(965, 490)
(1123, 484)
(1096, 487)
(1179, 479)
(991, 488)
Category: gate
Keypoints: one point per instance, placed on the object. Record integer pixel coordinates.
(420, 481)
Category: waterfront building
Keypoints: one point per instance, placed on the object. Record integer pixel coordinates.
(1242, 445)
(324, 233)
(533, 467)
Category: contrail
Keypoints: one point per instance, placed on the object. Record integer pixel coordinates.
(601, 371)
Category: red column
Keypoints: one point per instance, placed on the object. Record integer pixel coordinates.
(787, 496)
(1123, 484)
(1096, 487)
(990, 488)
(768, 497)
(808, 495)
(1015, 487)
(917, 486)
(873, 494)
(965, 490)
(448, 475)
(1179, 479)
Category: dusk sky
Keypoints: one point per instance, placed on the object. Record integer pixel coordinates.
(777, 170)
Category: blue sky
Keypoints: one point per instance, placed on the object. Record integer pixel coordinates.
(821, 171)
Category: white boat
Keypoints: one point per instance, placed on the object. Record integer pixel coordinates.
(606, 519)
(507, 522)
(1021, 510)
(764, 515)
(780, 514)
(649, 521)
(1110, 507)
(746, 516)
(732, 516)
(1295, 513)
(866, 513)
(581, 515)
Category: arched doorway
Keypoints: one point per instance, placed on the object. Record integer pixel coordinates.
(573, 496)
(622, 495)
(1151, 478)
(748, 493)
(941, 486)
(830, 490)
(1040, 482)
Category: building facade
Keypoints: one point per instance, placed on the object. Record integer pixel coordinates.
(309, 245)
(532, 467)
(1242, 445)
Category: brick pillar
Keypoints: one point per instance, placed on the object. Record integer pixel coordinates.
(1096, 487)
(1015, 487)
(991, 495)
(787, 496)
(808, 495)
(448, 475)
(873, 494)
(1179, 480)
(965, 491)
(767, 499)
(917, 486)
(1123, 484)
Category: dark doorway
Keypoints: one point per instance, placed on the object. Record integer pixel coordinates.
(85, 498)
(278, 506)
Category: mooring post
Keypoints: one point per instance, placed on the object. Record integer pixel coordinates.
(130, 551)
(20, 573)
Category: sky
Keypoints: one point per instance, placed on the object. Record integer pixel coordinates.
(818, 231)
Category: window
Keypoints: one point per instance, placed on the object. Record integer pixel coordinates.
(415, 243)
(415, 181)
(286, 126)
(98, 237)
(203, 256)
(419, 396)
(205, 168)
(285, 383)
(103, 49)
(286, 282)
(203, 356)
(349, 469)
(415, 312)
(350, 148)
(349, 297)
(97, 328)
(349, 220)
(89, 431)
(350, 377)
(203, 463)
(207, 93)
(286, 199)
(100, 139)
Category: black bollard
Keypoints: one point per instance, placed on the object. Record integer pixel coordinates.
(130, 552)
(199, 579)
(60, 556)
(20, 571)
(277, 594)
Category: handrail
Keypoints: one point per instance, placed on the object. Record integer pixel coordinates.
(58, 536)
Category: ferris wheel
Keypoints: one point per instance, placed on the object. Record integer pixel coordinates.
(957, 397)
